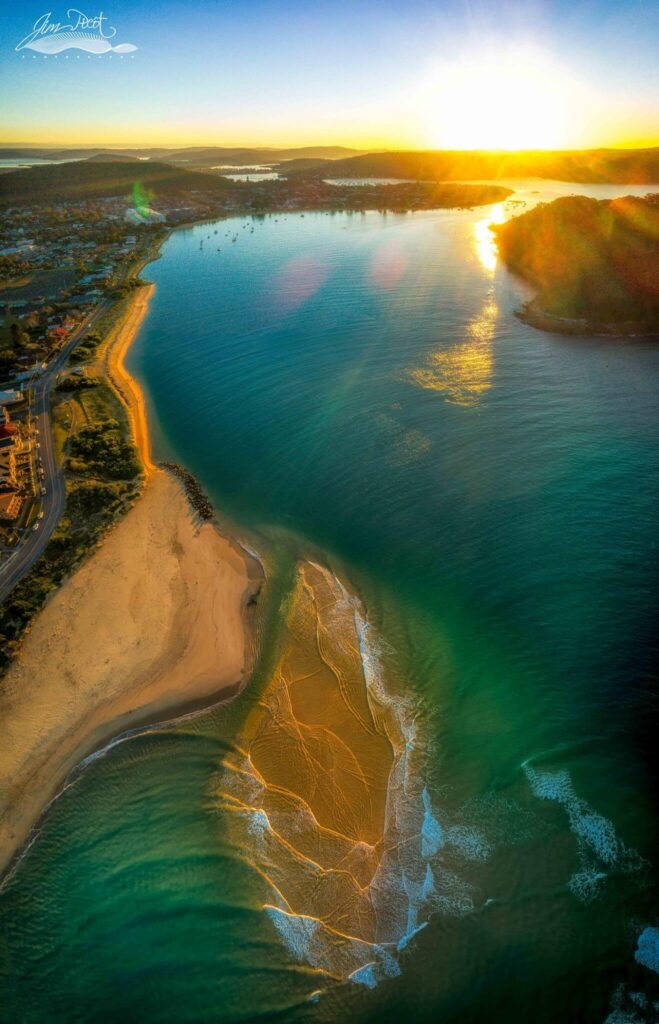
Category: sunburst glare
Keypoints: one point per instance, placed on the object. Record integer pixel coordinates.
(502, 100)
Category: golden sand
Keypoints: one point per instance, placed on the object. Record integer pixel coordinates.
(156, 619)
(113, 363)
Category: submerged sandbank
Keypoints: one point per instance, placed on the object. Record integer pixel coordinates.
(322, 790)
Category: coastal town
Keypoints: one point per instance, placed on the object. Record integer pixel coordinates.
(57, 271)
(59, 265)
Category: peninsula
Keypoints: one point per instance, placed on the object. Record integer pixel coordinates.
(595, 263)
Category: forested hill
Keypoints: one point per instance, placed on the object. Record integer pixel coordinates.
(92, 179)
(592, 259)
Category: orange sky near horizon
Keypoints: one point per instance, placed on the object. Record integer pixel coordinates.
(492, 91)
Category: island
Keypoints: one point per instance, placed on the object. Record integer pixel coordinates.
(594, 263)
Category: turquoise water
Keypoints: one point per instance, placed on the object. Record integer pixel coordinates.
(357, 388)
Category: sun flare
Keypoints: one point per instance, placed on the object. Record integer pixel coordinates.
(500, 101)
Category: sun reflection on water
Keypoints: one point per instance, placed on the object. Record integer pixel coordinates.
(464, 373)
(484, 243)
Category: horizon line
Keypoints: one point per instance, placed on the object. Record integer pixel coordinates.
(327, 145)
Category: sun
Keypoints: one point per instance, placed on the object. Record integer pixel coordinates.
(498, 101)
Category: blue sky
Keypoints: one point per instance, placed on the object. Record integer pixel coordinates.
(358, 73)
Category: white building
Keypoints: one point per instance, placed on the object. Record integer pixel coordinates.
(147, 217)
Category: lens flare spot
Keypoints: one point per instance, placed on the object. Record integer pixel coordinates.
(297, 281)
(388, 266)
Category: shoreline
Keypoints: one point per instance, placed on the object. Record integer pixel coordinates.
(535, 317)
(112, 360)
(118, 647)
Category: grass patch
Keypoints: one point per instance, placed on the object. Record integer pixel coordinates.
(62, 414)
(41, 282)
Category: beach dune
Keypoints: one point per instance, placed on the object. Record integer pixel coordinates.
(153, 622)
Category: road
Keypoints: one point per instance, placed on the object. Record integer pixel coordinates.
(29, 549)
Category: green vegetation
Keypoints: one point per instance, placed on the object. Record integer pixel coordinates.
(403, 197)
(126, 287)
(76, 383)
(15, 343)
(100, 451)
(103, 478)
(597, 260)
(15, 271)
(86, 179)
(86, 348)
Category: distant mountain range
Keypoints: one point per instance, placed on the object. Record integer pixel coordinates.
(197, 156)
(108, 174)
(210, 155)
(625, 166)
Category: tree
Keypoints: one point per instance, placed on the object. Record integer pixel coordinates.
(19, 336)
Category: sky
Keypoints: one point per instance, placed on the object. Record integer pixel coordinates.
(372, 75)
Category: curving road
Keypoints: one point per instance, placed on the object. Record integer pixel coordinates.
(27, 552)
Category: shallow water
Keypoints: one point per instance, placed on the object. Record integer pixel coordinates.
(357, 390)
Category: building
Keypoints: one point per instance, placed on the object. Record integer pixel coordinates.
(10, 506)
(147, 216)
(24, 463)
(7, 429)
(10, 397)
(8, 469)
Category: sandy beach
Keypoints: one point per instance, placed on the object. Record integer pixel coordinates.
(157, 620)
(112, 362)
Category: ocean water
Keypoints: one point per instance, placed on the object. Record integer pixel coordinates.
(356, 391)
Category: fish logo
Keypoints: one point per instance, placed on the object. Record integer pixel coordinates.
(80, 32)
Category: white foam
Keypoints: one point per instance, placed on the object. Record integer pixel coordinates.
(406, 939)
(621, 1010)
(586, 885)
(431, 831)
(596, 836)
(647, 950)
(296, 931)
(622, 1017)
(453, 895)
(428, 884)
(365, 975)
(258, 823)
(471, 843)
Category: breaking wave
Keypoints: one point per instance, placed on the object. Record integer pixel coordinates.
(599, 848)
(647, 950)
